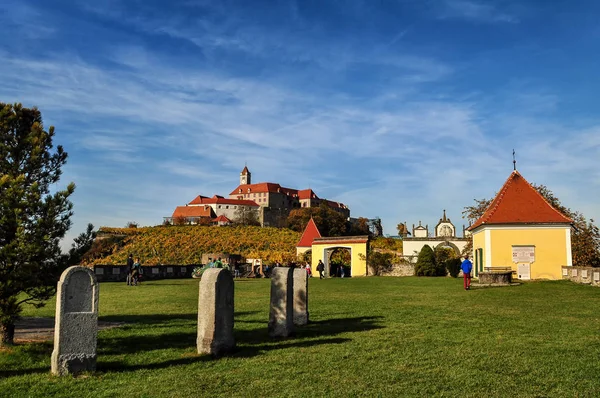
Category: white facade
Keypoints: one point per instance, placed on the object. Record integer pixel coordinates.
(444, 236)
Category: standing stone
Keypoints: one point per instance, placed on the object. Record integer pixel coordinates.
(76, 322)
(300, 297)
(281, 317)
(215, 313)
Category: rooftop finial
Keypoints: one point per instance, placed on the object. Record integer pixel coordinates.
(514, 161)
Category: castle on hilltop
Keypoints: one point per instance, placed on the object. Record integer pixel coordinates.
(272, 201)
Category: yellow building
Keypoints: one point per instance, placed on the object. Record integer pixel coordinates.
(322, 249)
(520, 230)
(358, 246)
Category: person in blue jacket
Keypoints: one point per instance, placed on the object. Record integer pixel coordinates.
(467, 267)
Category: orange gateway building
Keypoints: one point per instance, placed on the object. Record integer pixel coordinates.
(520, 230)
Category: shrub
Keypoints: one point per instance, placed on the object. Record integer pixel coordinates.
(380, 262)
(452, 265)
(426, 265)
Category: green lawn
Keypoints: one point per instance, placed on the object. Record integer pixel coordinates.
(367, 337)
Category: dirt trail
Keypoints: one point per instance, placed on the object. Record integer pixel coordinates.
(42, 329)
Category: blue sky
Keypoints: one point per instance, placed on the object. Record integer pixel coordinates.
(399, 109)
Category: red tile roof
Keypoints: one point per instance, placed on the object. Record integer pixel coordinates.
(192, 211)
(263, 187)
(198, 200)
(221, 218)
(307, 194)
(519, 203)
(311, 232)
(334, 205)
(219, 200)
(276, 188)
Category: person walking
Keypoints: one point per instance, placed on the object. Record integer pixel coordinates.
(342, 271)
(308, 270)
(321, 269)
(467, 267)
(129, 268)
(135, 272)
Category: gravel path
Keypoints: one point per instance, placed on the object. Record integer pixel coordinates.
(42, 329)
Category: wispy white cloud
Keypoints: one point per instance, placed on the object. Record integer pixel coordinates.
(148, 131)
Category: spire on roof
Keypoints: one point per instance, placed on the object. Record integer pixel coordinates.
(245, 176)
(514, 161)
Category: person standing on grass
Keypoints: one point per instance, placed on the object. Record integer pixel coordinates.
(129, 268)
(321, 269)
(135, 272)
(467, 267)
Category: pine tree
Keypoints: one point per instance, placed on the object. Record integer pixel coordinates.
(426, 262)
(32, 219)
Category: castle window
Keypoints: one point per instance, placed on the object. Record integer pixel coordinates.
(227, 207)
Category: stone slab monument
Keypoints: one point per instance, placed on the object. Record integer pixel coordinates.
(215, 313)
(300, 297)
(281, 316)
(76, 322)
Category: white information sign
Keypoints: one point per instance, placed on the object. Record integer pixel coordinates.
(524, 271)
(584, 273)
(597, 276)
(155, 270)
(523, 254)
(565, 272)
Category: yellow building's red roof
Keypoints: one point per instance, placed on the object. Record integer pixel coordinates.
(520, 203)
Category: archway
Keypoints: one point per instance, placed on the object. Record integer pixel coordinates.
(337, 258)
(449, 245)
(357, 245)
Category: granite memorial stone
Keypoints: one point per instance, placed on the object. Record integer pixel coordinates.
(76, 323)
(215, 313)
(281, 316)
(300, 297)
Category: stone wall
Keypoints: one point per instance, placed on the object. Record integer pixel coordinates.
(399, 270)
(495, 278)
(584, 275)
(117, 273)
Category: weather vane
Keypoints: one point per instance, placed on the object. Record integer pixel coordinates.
(514, 161)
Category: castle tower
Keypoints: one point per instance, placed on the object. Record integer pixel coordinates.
(245, 176)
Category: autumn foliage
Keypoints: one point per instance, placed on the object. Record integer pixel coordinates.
(185, 244)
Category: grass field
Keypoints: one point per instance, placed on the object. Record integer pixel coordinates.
(367, 337)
